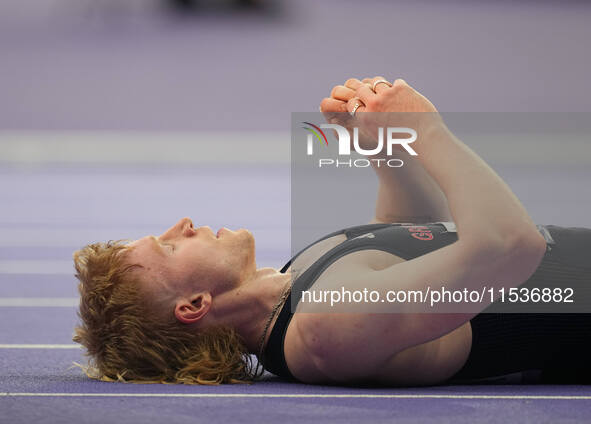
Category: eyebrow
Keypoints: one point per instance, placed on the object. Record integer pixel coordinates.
(157, 246)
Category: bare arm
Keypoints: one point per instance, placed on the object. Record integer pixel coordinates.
(497, 243)
(345, 346)
(409, 194)
(482, 205)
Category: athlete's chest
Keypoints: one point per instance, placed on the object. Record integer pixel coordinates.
(363, 252)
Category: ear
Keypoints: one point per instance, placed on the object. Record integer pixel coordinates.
(192, 309)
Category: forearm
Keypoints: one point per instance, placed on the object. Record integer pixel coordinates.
(481, 204)
(409, 194)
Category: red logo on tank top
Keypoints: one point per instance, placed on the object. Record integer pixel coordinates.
(421, 233)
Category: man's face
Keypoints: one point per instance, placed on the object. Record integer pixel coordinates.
(185, 259)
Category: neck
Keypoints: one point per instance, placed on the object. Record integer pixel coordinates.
(248, 307)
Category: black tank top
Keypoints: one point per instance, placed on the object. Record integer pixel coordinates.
(567, 257)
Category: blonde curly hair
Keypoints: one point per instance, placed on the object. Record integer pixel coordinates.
(130, 338)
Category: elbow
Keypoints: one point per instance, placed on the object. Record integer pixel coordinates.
(518, 253)
(532, 242)
(526, 250)
(524, 242)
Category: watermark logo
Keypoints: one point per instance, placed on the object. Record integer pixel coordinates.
(317, 132)
(385, 138)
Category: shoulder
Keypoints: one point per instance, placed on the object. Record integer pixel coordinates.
(299, 353)
(324, 348)
(320, 351)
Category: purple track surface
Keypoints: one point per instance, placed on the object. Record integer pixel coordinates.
(85, 67)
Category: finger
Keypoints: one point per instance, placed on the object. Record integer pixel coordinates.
(400, 82)
(330, 105)
(380, 84)
(352, 105)
(353, 83)
(367, 80)
(340, 92)
(365, 94)
(335, 111)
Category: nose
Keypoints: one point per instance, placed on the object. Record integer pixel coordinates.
(183, 228)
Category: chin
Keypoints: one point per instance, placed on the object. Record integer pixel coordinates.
(248, 236)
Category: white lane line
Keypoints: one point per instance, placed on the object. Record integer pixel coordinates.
(41, 266)
(54, 302)
(173, 147)
(250, 147)
(40, 346)
(293, 395)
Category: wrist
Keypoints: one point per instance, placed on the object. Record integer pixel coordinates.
(429, 126)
